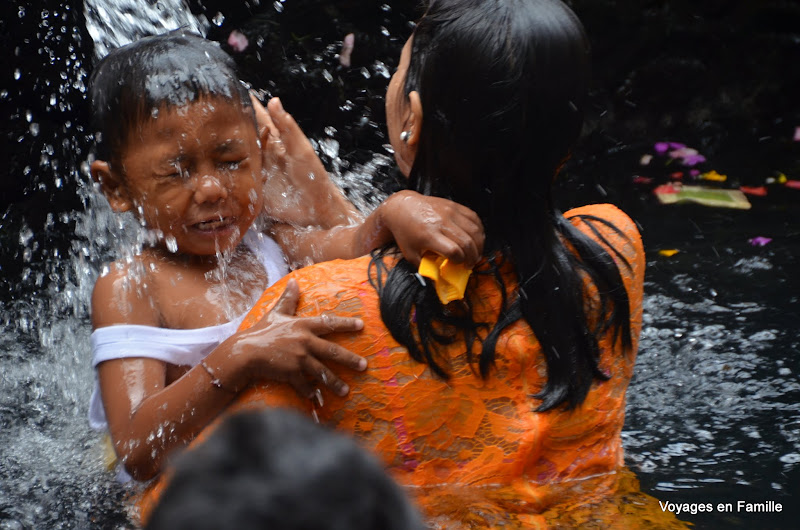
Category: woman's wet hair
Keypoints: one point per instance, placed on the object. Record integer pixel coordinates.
(503, 85)
(136, 81)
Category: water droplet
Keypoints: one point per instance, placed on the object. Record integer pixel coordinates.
(17, 74)
(52, 100)
(34, 128)
(278, 7)
(386, 8)
(172, 244)
(218, 19)
(28, 116)
(327, 75)
(330, 131)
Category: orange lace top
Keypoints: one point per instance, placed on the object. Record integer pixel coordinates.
(442, 436)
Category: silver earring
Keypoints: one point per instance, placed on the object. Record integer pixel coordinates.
(405, 135)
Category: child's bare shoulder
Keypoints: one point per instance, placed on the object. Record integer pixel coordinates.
(122, 295)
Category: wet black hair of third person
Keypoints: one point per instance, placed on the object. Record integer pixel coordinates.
(277, 469)
(503, 85)
(136, 81)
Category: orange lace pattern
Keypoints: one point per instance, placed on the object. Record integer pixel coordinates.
(447, 440)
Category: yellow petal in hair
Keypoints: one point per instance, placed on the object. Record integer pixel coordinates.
(450, 279)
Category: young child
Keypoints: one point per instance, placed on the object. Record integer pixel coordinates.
(179, 145)
(277, 469)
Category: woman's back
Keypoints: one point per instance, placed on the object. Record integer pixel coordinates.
(466, 430)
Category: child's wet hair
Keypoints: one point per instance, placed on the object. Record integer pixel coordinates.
(133, 83)
(274, 468)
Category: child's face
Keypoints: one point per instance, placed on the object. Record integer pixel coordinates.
(195, 173)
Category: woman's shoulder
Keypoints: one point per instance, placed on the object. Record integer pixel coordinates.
(324, 286)
(607, 213)
(606, 224)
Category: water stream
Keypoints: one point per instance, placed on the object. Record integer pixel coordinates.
(713, 410)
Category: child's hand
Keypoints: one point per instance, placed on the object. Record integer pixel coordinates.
(419, 223)
(282, 347)
(299, 190)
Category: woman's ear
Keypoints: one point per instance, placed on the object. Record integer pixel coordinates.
(412, 125)
(414, 120)
(111, 185)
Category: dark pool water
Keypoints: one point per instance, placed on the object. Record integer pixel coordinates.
(713, 411)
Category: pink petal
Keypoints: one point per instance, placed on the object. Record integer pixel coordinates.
(693, 160)
(797, 134)
(237, 41)
(759, 241)
(347, 49)
(682, 152)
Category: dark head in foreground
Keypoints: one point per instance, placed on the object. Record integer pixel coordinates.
(501, 87)
(277, 469)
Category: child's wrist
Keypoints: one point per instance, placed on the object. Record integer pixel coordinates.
(215, 380)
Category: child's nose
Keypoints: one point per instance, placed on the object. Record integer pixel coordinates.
(210, 189)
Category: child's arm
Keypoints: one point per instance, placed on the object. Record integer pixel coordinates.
(148, 416)
(416, 223)
(314, 222)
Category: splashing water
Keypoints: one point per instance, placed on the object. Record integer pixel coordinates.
(114, 23)
(713, 410)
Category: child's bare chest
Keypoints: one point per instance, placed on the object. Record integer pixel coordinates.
(190, 297)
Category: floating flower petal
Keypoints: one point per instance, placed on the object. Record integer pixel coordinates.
(759, 241)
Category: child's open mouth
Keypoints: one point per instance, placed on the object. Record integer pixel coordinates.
(214, 224)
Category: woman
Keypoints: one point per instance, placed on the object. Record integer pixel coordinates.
(515, 395)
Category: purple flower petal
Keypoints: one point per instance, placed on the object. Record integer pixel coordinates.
(676, 145)
(693, 160)
(759, 241)
(661, 147)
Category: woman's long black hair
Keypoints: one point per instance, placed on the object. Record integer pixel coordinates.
(502, 85)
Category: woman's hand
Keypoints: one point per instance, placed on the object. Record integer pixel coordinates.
(285, 348)
(298, 190)
(419, 223)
